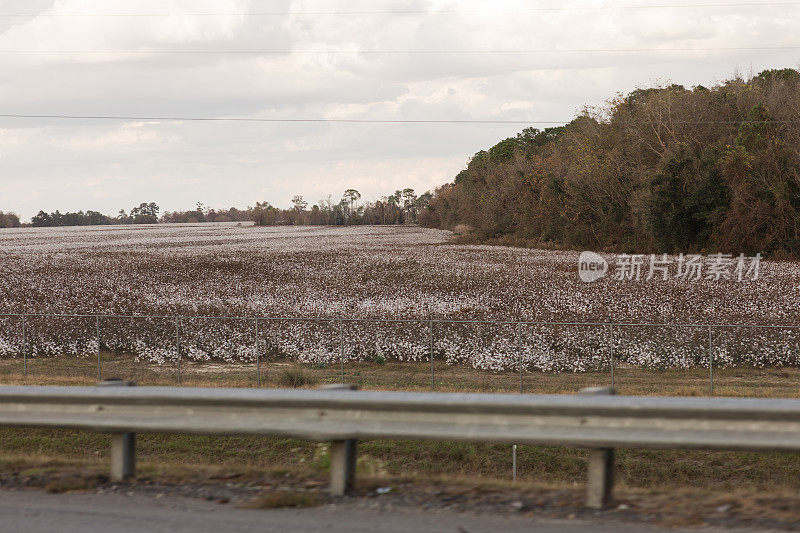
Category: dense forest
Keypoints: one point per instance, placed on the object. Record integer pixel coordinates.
(665, 169)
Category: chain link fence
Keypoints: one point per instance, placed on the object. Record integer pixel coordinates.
(420, 353)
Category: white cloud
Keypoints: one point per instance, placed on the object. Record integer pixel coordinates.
(122, 139)
(52, 164)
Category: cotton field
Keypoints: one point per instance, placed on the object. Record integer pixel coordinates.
(235, 292)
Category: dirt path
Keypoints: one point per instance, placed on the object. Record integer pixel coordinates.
(86, 513)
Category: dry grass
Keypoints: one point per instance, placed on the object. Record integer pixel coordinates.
(744, 505)
(482, 463)
(296, 378)
(70, 483)
(284, 499)
(735, 382)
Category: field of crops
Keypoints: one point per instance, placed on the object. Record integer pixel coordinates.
(284, 274)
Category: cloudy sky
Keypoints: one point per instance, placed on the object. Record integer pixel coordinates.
(306, 59)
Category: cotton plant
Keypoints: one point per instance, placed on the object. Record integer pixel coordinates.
(376, 273)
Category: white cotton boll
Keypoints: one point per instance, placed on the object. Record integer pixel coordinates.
(367, 272)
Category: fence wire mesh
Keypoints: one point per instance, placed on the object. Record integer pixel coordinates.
(416, 354)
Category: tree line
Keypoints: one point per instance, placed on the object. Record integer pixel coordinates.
(401, 207)
(141, 214)
(664, 169)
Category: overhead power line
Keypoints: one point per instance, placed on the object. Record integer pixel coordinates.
(276, 120)
(406, 52)
(412, 11)
(361, 121)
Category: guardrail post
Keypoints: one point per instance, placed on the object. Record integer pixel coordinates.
(600, 483)
(343, 457)
(123, 445)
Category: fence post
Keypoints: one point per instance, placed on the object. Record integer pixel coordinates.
(710, 363)
(97, 331)
(123, 445)
(514, 462)
(341, 347)
(600, 485)
(519, 363)
(24, 349)
(430, 342)
(258, 356)
(343, 457)
(612, 355)
(178, 346)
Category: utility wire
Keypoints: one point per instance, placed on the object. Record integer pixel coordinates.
(406, 52)
(362, 121)
(411, 11)
(274, 120)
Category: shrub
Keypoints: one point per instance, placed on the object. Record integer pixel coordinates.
(295, 378)
(9, 220)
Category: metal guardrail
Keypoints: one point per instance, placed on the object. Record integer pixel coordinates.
(600, 421)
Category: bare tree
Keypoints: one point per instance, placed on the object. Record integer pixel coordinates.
(299, 204)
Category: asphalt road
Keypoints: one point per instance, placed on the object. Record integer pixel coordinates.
(35, 511)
